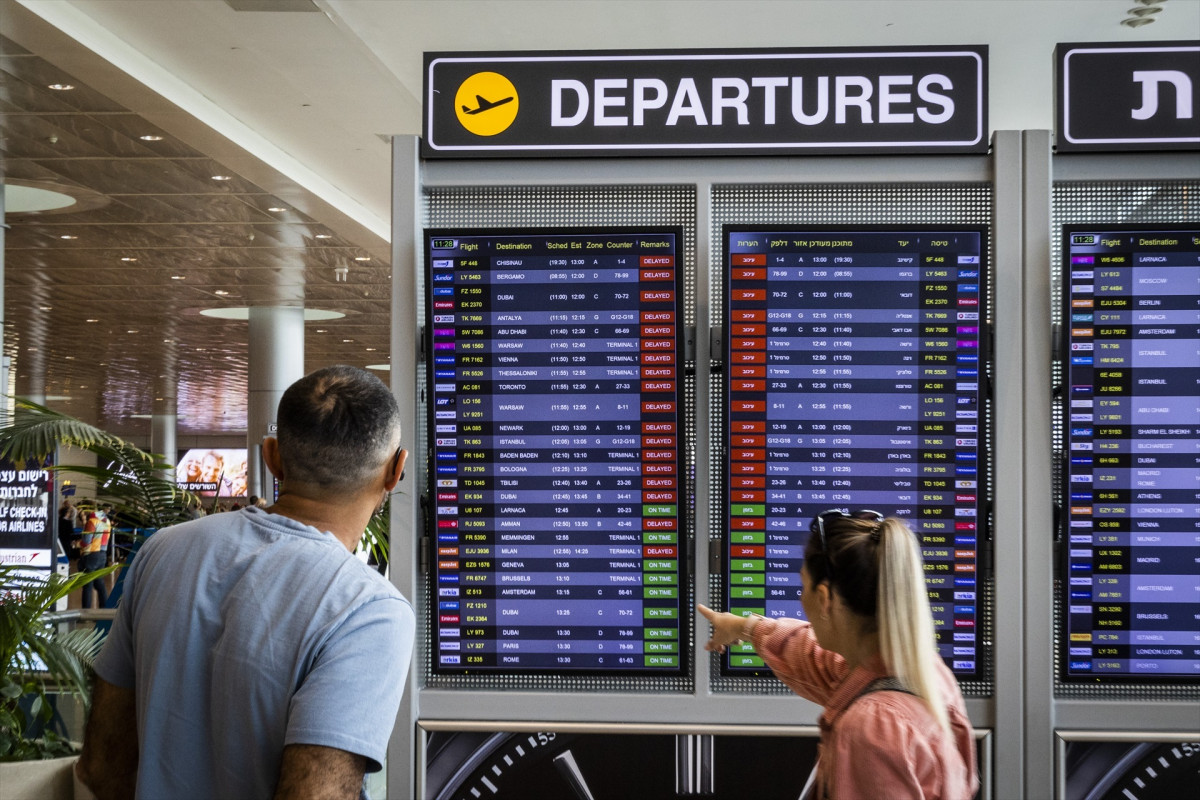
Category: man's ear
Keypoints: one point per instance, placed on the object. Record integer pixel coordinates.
(270, 454)
(395, 470)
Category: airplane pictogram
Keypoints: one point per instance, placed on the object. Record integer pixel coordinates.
(485, 105)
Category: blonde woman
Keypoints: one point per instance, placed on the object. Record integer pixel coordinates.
(894, 723)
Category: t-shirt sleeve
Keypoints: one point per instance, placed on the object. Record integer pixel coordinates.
(350, 697)
(115, 662)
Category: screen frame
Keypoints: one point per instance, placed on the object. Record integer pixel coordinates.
(1062, 488)
(984, 449)
(686, 503)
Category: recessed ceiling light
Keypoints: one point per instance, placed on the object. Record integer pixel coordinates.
(61, 87)
(128, 258)
(222, 177)
(362, 258)
(68, 236)
(372, 349)
(46, 308)
(276, 208)
(347, 341)
(221, 292)
(321, 330)
(176, 277)
(150, 137)
(131, 331)
(91, 320)
(324, 236)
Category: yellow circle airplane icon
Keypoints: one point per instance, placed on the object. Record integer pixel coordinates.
(486, 103)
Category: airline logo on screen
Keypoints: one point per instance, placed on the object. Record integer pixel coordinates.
(819, 100)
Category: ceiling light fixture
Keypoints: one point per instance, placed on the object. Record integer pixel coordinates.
(276, 209)
(128, 258)
(362, 258)
(68, 236)
(177, 277)
(221, 292)
(91, 320)
(61, 87)
(150, 137)
(324, 236)
(222, 177)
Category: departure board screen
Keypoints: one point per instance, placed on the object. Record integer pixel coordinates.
(856, 359)
(1133, 447)
(554, 365)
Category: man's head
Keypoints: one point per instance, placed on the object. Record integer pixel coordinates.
(338, 427)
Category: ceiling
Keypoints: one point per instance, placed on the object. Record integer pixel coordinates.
(295, 106)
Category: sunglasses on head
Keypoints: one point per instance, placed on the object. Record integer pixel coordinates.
(818, 524)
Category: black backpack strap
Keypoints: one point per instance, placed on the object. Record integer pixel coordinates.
(885, 684)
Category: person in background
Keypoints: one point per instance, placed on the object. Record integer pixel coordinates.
(93, 553)
(894, 723)
(68, 522)
(253, 654)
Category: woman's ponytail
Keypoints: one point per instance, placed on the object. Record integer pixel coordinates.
(906, 636)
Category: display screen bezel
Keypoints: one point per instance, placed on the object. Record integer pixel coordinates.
(984, 447)
(1062, 448)
(685, 505)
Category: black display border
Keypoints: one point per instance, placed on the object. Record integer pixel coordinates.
(984, 543)
(684, 527)
(1062, 484)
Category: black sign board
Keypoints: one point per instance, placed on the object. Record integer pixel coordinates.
(1128, 97)
(26, 514)
(704, 102)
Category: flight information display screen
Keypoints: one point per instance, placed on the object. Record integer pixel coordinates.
(1133, 447)
(856, 360)
(554, 364)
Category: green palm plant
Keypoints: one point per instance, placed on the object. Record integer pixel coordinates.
(35, 659)
(38, 660)
(140, 485)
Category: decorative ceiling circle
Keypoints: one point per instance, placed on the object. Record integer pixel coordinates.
(48, 197)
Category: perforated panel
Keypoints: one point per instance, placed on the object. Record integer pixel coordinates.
(836, 204)
(1106, 203)
(581, 206)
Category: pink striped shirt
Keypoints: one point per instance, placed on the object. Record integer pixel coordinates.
(885, 744)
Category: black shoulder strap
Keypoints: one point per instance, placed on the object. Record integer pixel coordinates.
(885, 684)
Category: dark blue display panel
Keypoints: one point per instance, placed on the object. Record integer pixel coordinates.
(1133, 447)
(856, 362)
(555, 404)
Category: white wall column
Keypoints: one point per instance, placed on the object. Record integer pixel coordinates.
(276, 362)
(162, 434)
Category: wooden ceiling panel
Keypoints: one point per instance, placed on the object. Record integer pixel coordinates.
(121, 339)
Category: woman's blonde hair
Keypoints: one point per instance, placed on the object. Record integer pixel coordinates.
(875, 566)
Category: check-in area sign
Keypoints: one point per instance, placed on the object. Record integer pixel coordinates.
(746, 102)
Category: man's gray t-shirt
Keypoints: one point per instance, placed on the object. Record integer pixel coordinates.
(243, 632)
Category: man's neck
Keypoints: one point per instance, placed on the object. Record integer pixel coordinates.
(346, 521)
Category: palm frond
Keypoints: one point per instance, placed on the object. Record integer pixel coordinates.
(140, 485)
